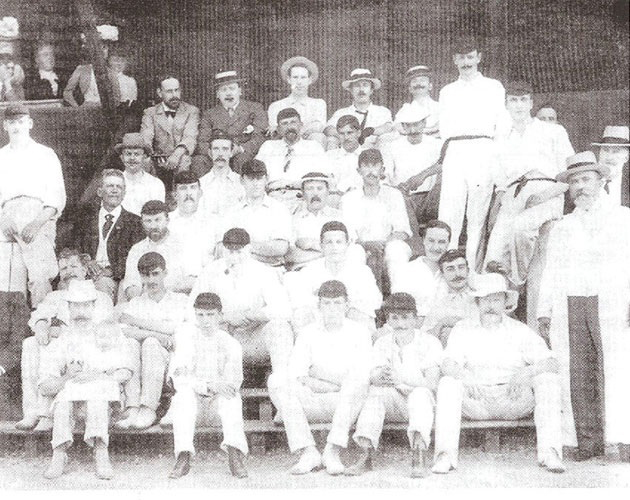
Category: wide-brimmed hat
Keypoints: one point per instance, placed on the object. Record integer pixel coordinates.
(359, 74)
(300, 61)
(229, 76)
(412, 113)
(614, 135)
(486, 284)
(80, 291)
(582, 162)
(132, 141)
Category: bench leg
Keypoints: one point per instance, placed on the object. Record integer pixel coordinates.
(492, 441)
(257, 443)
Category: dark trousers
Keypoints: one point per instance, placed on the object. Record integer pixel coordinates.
(587, 373)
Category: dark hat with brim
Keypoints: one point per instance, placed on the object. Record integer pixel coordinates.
(15, 111)
(582, 162)
(300, 61)
(132, 141)
(236, 238)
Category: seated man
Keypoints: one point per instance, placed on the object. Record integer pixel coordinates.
(49, 322)
(325, 383)
(182, 274)
(245, 121)
(343, 160)
(140, 186)
(207, 373)
(221, 186)
(453, 303)
(300, 73)
(496, 368)
(405, 373)
(150, 319)
(421, 277)
(198, 231)
(378, 215)
(32, 197)
(267, 221)
(364, 296)
(107, 234)
(287, 159)
(255, 305)
(84, 376)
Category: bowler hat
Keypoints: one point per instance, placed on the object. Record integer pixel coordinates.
(132, 141)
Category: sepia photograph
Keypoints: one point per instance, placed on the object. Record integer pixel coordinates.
(314, 244)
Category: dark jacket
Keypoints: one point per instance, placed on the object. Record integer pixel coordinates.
(36, 88)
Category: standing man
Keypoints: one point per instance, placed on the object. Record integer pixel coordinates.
(325, 383)
(170, 129)
(471, 108)
(614, 149)
(207, 373)
(497, 368)
(583, 310)
(300, 73)
(375, 121)
(404, 375)
(418, 79)
(32, 197)
(245, 121)
(221, 186)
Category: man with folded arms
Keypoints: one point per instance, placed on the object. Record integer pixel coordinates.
(497, 368)
(207, 373)
(325, 383)
(405, 373)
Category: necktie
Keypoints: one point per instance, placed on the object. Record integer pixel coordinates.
(287, 158)
(364, 113)
(109, 222)
(170, 114)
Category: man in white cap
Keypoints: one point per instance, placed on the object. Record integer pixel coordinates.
(243, 120)
(32, 197)
(300, 73)
(375, 121)
(497, 368)
(614, 149)
(471, 109)
(418, 79)
(583, 310)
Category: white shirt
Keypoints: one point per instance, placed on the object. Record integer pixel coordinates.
(325, 355)
(221, 190)
(199, 235)
(543, 147)
(308, 156)
(34, 171)
(52, 78)
(128, 87)
(376, 218)
(376, 115)
(471, 107)
(141, 188)
(269, 220)
(101, 252)
(310, 109)
(343, 166)
(307, 224)
(494, 354)
(171, 309)
(406, 160)
(417, 279)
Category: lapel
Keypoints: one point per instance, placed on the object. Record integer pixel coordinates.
(118, 226)
(180, 117)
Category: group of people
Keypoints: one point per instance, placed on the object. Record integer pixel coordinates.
(331, 251)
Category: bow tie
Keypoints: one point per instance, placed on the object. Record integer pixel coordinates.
(170, 114)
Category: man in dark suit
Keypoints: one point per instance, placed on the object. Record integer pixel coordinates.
(44, 81)
(245, 121)
(170, 128)
(106, 234)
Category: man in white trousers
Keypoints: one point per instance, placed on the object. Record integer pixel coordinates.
(405, 372)
(207, 373)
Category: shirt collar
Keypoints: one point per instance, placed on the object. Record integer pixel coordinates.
(116, 212)
(233, 107)
(165, 108)
(48, 75)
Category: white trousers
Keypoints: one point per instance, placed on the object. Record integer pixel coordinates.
(387, 404)
(34, 404)
(542, 398)
(94, 413)
(189, 409)
(299, 405)
(149, 363)
(466, 190)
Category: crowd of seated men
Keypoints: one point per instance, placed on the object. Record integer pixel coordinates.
(332, 251)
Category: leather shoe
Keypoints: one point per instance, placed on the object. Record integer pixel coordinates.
(235, 460)
(362, 465)
(182, 465)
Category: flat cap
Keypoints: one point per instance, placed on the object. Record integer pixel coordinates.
(287, 113)
(208, 301)
(351, 120)
(235, 238)
(14, 111)
(254, 168)
(518, 88)
(400, 301)
(185, 177)
(332, 289)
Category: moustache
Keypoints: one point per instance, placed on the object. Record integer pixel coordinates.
(189, 198)
(459, 279)
(418, 87)
(316, 198)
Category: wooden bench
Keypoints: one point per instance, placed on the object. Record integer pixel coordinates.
(259, 429)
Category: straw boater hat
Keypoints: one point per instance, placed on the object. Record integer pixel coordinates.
(614, 135)
(132, 141)
(314, 176)
(419, 70)
(410, 113)
(582, 162)
(358, 74)
(229, 76)
(485, 284)
(80, 291)
(300, 61)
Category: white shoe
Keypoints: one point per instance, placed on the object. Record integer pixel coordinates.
(553, 463)
(332, 462)
(442, 464)
(128, 421)
(309, 461)
(146, 418)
